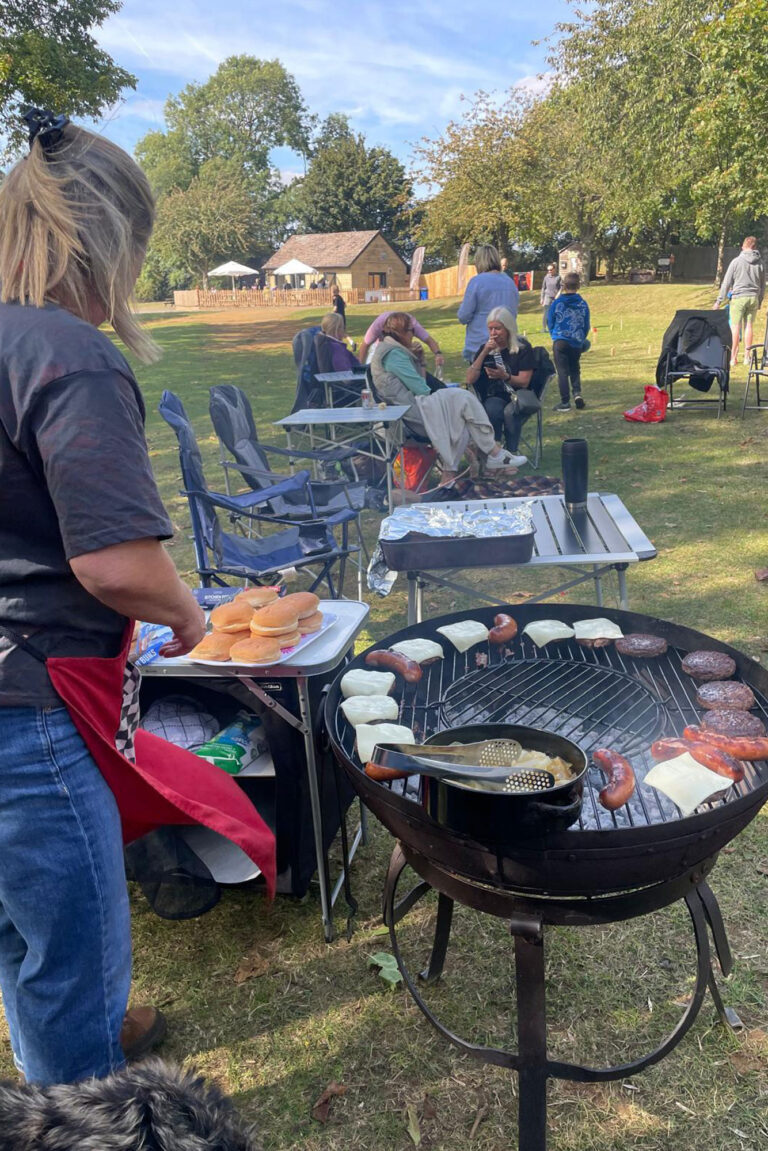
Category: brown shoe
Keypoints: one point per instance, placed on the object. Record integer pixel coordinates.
(143, 1029)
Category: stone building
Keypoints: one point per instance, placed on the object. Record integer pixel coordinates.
(354, 260)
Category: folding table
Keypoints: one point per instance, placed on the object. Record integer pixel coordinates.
(334, 427)
(322, 657)
(587, 544)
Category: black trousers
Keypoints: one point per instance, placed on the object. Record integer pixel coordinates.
(508, 417)
(568, 365)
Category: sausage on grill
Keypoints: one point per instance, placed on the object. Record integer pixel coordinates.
(395, 661)
(505, 629)
(712, 757)
(739, 746)
(621, 778)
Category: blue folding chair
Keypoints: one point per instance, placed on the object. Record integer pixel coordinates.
(261, 559)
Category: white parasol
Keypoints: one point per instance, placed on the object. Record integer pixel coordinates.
(232, 268)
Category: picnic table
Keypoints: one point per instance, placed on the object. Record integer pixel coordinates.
(343, 381)
(588, 545)
(380, 428)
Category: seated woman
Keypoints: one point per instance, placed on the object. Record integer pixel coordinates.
(341, 358)
(501, 374)
(449, 418)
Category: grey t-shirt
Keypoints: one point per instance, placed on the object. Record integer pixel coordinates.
(75, 477)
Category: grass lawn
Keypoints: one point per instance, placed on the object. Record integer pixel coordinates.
(259, 1002)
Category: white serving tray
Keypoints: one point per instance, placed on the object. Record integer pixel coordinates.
(329, 620)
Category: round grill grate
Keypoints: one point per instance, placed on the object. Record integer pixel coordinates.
(593, 706)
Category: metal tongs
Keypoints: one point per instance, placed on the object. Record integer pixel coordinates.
(490, 762)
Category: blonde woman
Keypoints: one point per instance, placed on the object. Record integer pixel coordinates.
(452, 419)
(490, 288)
(501, 375)
(341, 358)
(80, 528)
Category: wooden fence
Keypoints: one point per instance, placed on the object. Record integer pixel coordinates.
(309, 298)
(446, 281)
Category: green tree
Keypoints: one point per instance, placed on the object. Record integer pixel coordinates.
(350, 186)
(49, 58)
(243, 111)
(476, 167)
(211, 220)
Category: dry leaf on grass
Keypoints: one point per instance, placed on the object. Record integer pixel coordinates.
(428, 1108)
(761, 575)
(322, 1106)
(257, 962)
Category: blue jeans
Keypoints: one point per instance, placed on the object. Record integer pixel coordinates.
(65, 944)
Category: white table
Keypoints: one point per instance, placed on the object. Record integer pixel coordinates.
(335, 427)
(321, 657)
(588, 545)
(345, 381)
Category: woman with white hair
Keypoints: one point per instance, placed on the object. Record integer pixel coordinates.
(501, 373)
(490, 288)
(450, 417)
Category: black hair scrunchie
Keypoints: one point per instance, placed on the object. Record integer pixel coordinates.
(46, 127)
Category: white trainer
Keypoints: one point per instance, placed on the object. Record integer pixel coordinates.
(503, 460)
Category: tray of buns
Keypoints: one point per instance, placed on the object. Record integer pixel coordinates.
(258, 629)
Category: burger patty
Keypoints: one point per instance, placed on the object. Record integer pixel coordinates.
(729, 694)
(730, 722)
(708, 665)
(641, 646)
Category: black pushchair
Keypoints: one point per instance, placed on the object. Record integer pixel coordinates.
(696, 349)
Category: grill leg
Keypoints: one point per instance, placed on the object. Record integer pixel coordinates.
(728, 1016)
(532, 1036)
(440, 946)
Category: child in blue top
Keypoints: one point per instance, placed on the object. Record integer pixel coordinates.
(568, 322)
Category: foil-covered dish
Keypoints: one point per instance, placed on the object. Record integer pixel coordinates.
(442, 521)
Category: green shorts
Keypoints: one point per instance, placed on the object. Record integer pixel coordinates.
(742, 308)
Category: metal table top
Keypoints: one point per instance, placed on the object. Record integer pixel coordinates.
(333, 416)
(605, 533)
(345, 377)
(321, 656)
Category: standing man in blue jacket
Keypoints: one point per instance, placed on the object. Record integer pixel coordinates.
(568, 322)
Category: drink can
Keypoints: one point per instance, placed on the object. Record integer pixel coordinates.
(366, 399)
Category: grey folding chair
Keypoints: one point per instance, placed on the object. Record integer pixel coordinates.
(758, 368)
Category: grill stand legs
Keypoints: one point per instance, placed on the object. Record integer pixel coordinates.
(530, 1061)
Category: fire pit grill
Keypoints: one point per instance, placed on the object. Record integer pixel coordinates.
(595, 697)
(609, 866)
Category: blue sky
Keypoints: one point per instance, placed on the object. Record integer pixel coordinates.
(397, 69)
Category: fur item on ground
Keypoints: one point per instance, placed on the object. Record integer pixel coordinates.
(147, 1107)
(497, 487)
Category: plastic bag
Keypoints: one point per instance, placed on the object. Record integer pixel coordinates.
(653, 409)
(416, 464)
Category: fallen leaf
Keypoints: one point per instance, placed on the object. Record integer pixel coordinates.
(412, 1126)
(388, 969)
(762, 868)
(478, 1120)
(322, 1105)
(761, 575)
(252, 966)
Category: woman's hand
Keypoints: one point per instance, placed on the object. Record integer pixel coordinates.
(186, 635)
(497, 373)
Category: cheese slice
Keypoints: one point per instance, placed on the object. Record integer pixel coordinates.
(466, 634)
(597, 629)
(544, 631)
(419, 650)
(369, 734)
(686, 782)
(359, 682)
(368, 708)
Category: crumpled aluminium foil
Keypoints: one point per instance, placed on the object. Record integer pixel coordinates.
(445, 522)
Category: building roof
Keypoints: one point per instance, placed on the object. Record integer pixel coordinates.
(324, 249)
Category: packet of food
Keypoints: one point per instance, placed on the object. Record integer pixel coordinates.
(237, 745)
(150, 638)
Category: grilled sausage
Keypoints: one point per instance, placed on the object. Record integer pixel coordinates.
(712, 757)
(384, 774)
(394, 661)
(739, 746)
(621, 777)
(504, 631)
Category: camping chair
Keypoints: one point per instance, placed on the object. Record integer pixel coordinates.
(758, 367)
(232, 419)
(338, 393)
(543, 372)
(697, 348)
(413, 440)
(261, 559)
(309, 393)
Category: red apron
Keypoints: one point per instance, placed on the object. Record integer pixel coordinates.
(166, 784)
